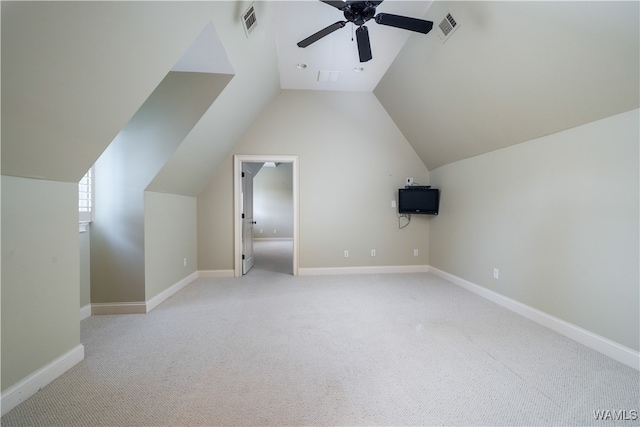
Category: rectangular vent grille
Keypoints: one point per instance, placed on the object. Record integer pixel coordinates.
(329, 76)
(249, 21)
(447, 26)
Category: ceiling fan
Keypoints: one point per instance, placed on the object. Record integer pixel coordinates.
(359, 12)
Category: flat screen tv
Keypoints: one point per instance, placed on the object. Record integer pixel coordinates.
(418, 200)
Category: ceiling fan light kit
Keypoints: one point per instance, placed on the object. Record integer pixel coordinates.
(359, 12)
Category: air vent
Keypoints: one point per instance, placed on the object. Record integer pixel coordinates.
(447, 27)
(329, 76)
(249, 21)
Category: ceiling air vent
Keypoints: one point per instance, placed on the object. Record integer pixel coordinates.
(329, 76)
(447, 26)
(249, 21)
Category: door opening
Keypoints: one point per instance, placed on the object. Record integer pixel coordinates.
(246, 201)
(243, 227)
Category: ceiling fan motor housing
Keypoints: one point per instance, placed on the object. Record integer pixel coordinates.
(360, 12)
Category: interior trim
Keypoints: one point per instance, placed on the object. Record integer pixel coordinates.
(31, 384)
(119, 308)
(85, 311)
(215, 273)
(587, 338)
(238, 159)
(374, 269)
(170, 291)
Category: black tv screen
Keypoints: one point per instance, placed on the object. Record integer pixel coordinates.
(418, 200)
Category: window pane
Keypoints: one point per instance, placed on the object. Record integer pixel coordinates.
(84, 193)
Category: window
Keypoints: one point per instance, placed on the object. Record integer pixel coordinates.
(85, 197)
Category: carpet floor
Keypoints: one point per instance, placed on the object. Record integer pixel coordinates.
(273, 349)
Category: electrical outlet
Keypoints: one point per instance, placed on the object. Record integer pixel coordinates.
(346, 254)
(373, 252)
(393, 203)
(261, 231)
(415, 252)
(496, 273)
(409, 181)
(275, 231)
(184, 262)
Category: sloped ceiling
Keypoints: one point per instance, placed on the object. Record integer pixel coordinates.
(338, 51)
(511, 72)
(254, 85)
(74, 73)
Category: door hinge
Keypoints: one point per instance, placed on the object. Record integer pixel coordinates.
(242, 216)
(242, 256)
(243, 174)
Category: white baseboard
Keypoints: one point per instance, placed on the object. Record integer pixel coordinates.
(325, 271)
(587, 338)
(30, 385)
(119, 308)
(164, 295)
(85, 311)
(144, 307)
(207, 274)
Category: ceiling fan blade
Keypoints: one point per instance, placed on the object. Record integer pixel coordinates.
(320, 34)
(364, 46)
(338, 4)
(404, 22)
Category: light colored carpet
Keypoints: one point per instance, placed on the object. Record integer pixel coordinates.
(273, 349)
(275, 256)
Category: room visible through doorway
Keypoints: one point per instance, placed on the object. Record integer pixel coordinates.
(266, 214)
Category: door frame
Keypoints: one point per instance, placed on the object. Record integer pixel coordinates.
(238, 159)
(247, 220)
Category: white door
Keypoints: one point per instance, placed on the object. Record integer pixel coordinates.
(247, 219)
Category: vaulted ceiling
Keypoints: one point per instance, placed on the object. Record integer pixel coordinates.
(512, 72)
(74, 73)
(337, 52)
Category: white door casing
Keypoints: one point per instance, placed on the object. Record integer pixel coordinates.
(239, 159)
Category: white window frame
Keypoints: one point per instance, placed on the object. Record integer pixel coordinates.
(86, 188)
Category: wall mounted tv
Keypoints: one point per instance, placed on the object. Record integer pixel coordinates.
(418, 200)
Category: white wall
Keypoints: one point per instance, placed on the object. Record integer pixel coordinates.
(352, 161)
(273, 202)
(558, 216)
(169, 238)
(40, 279)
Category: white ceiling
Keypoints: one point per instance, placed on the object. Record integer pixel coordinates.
(294, 21)
(205, 55)
(513, 71)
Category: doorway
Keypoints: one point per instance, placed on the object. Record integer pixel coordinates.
(241, 225)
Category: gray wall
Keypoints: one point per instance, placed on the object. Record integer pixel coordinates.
(512, 71)
(273, 202)
(124, 171)
(215, 221)
(40, 280)
(83, 69)
(558, 216)
(85, 267)
(169, 238)
(352, 161)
